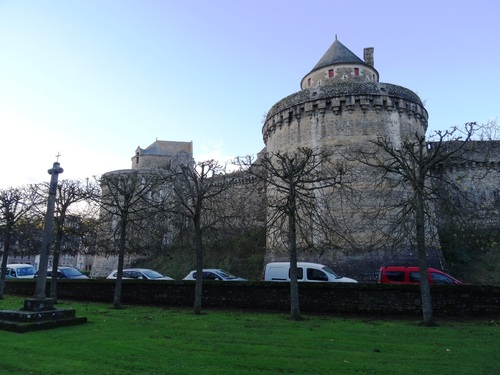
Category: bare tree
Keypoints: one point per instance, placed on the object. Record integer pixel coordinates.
(128, 199)
(293, 181)
(198, 188)
(408, 165)
(15, 205)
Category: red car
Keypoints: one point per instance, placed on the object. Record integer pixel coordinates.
(411, 275)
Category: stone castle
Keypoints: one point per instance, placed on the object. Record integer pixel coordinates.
(341, 106)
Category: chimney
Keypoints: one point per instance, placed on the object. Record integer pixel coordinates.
(368, 56)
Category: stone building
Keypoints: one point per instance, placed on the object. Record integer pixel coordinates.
(242, 208)
(342, 106)
(159, 156)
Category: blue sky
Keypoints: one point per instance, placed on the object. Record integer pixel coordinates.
(92, 80)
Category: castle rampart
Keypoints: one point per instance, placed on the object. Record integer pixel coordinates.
(349, 108)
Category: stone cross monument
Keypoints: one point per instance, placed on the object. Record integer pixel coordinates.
(39, 312)
(47, 232)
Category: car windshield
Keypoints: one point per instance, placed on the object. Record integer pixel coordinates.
(26, 271)
(441, 279)
(329, 271)
(226, 275)
(69, 272)
(150, 274)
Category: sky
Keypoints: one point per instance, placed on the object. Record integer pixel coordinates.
(91, 80)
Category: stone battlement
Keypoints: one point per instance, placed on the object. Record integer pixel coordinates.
(345, 98)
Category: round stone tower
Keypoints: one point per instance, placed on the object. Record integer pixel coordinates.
(343, 105)
(342, 101)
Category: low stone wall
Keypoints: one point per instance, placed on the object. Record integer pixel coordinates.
(342, 298)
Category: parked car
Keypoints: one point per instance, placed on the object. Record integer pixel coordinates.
(20, 271)
(66, 273)
(411, 275)
(214, 274)
(139, 273)
(312, 272)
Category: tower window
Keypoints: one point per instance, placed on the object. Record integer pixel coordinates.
(356, 71)
(309, 82)
(330, 73)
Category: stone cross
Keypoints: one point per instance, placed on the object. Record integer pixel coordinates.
(41, 281)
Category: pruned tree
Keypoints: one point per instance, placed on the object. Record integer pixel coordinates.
(198, 189)
(27, 237)
(128, 200)
(406, 165)
(293, 180)
(15, 206)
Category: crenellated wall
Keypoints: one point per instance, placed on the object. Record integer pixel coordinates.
(331, 113)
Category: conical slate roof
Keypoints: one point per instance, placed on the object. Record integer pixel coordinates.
(337, 54)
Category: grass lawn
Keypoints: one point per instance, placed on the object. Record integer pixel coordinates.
(153, 340)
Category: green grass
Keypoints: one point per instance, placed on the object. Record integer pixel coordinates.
(152, 340)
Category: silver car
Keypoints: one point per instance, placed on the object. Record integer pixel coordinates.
(214, 274)
(139, 273)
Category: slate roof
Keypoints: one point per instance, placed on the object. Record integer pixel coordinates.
(166, 148)
(337, 54)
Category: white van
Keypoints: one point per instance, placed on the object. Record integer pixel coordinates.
(312, 272)
(20, 271)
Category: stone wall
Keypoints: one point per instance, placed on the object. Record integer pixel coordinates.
(476, 173)
(339, 298)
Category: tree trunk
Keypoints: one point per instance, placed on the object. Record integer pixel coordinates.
(121, 260)
(294, 285)
(425, 291)
(5, 256)
(198, 290)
